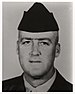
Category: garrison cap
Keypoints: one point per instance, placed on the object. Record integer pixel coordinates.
(38, 19)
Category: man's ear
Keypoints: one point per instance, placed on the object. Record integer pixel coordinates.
(57, 52)
(17, 47)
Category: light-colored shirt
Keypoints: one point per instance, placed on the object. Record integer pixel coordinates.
(41, 88)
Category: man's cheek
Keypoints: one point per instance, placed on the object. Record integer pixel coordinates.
(24, 51)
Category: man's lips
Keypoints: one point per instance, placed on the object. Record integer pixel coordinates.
(33, 61)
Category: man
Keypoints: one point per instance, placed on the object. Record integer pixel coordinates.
(37, 48)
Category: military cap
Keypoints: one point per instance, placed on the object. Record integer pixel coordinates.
(38, 19)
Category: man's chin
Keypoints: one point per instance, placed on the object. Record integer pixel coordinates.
(36, 76)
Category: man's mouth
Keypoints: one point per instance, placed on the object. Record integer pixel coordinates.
(33, 61)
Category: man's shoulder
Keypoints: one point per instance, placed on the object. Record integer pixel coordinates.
(12, 84)
(66, 84)
(61, 84)
(12, 80)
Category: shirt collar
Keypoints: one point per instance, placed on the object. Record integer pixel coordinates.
(42, 88)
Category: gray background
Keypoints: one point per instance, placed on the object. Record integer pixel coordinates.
(12, 14)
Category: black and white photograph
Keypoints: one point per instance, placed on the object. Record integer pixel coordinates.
(37, 39)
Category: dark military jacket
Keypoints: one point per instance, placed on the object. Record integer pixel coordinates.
(17, 85)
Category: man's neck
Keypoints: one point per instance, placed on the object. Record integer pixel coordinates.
(36, 82)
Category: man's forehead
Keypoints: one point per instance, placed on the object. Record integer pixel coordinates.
(50, 34)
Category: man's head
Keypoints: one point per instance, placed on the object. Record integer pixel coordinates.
(38, 41)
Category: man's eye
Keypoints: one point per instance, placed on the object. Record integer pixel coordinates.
(26, 42)
(44, 43)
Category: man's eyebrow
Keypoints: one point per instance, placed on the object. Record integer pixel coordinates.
(40, 39)
(26, 38)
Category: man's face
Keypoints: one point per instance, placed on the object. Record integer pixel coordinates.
(37, 52)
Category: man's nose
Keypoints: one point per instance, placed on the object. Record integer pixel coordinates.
(35, 50)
